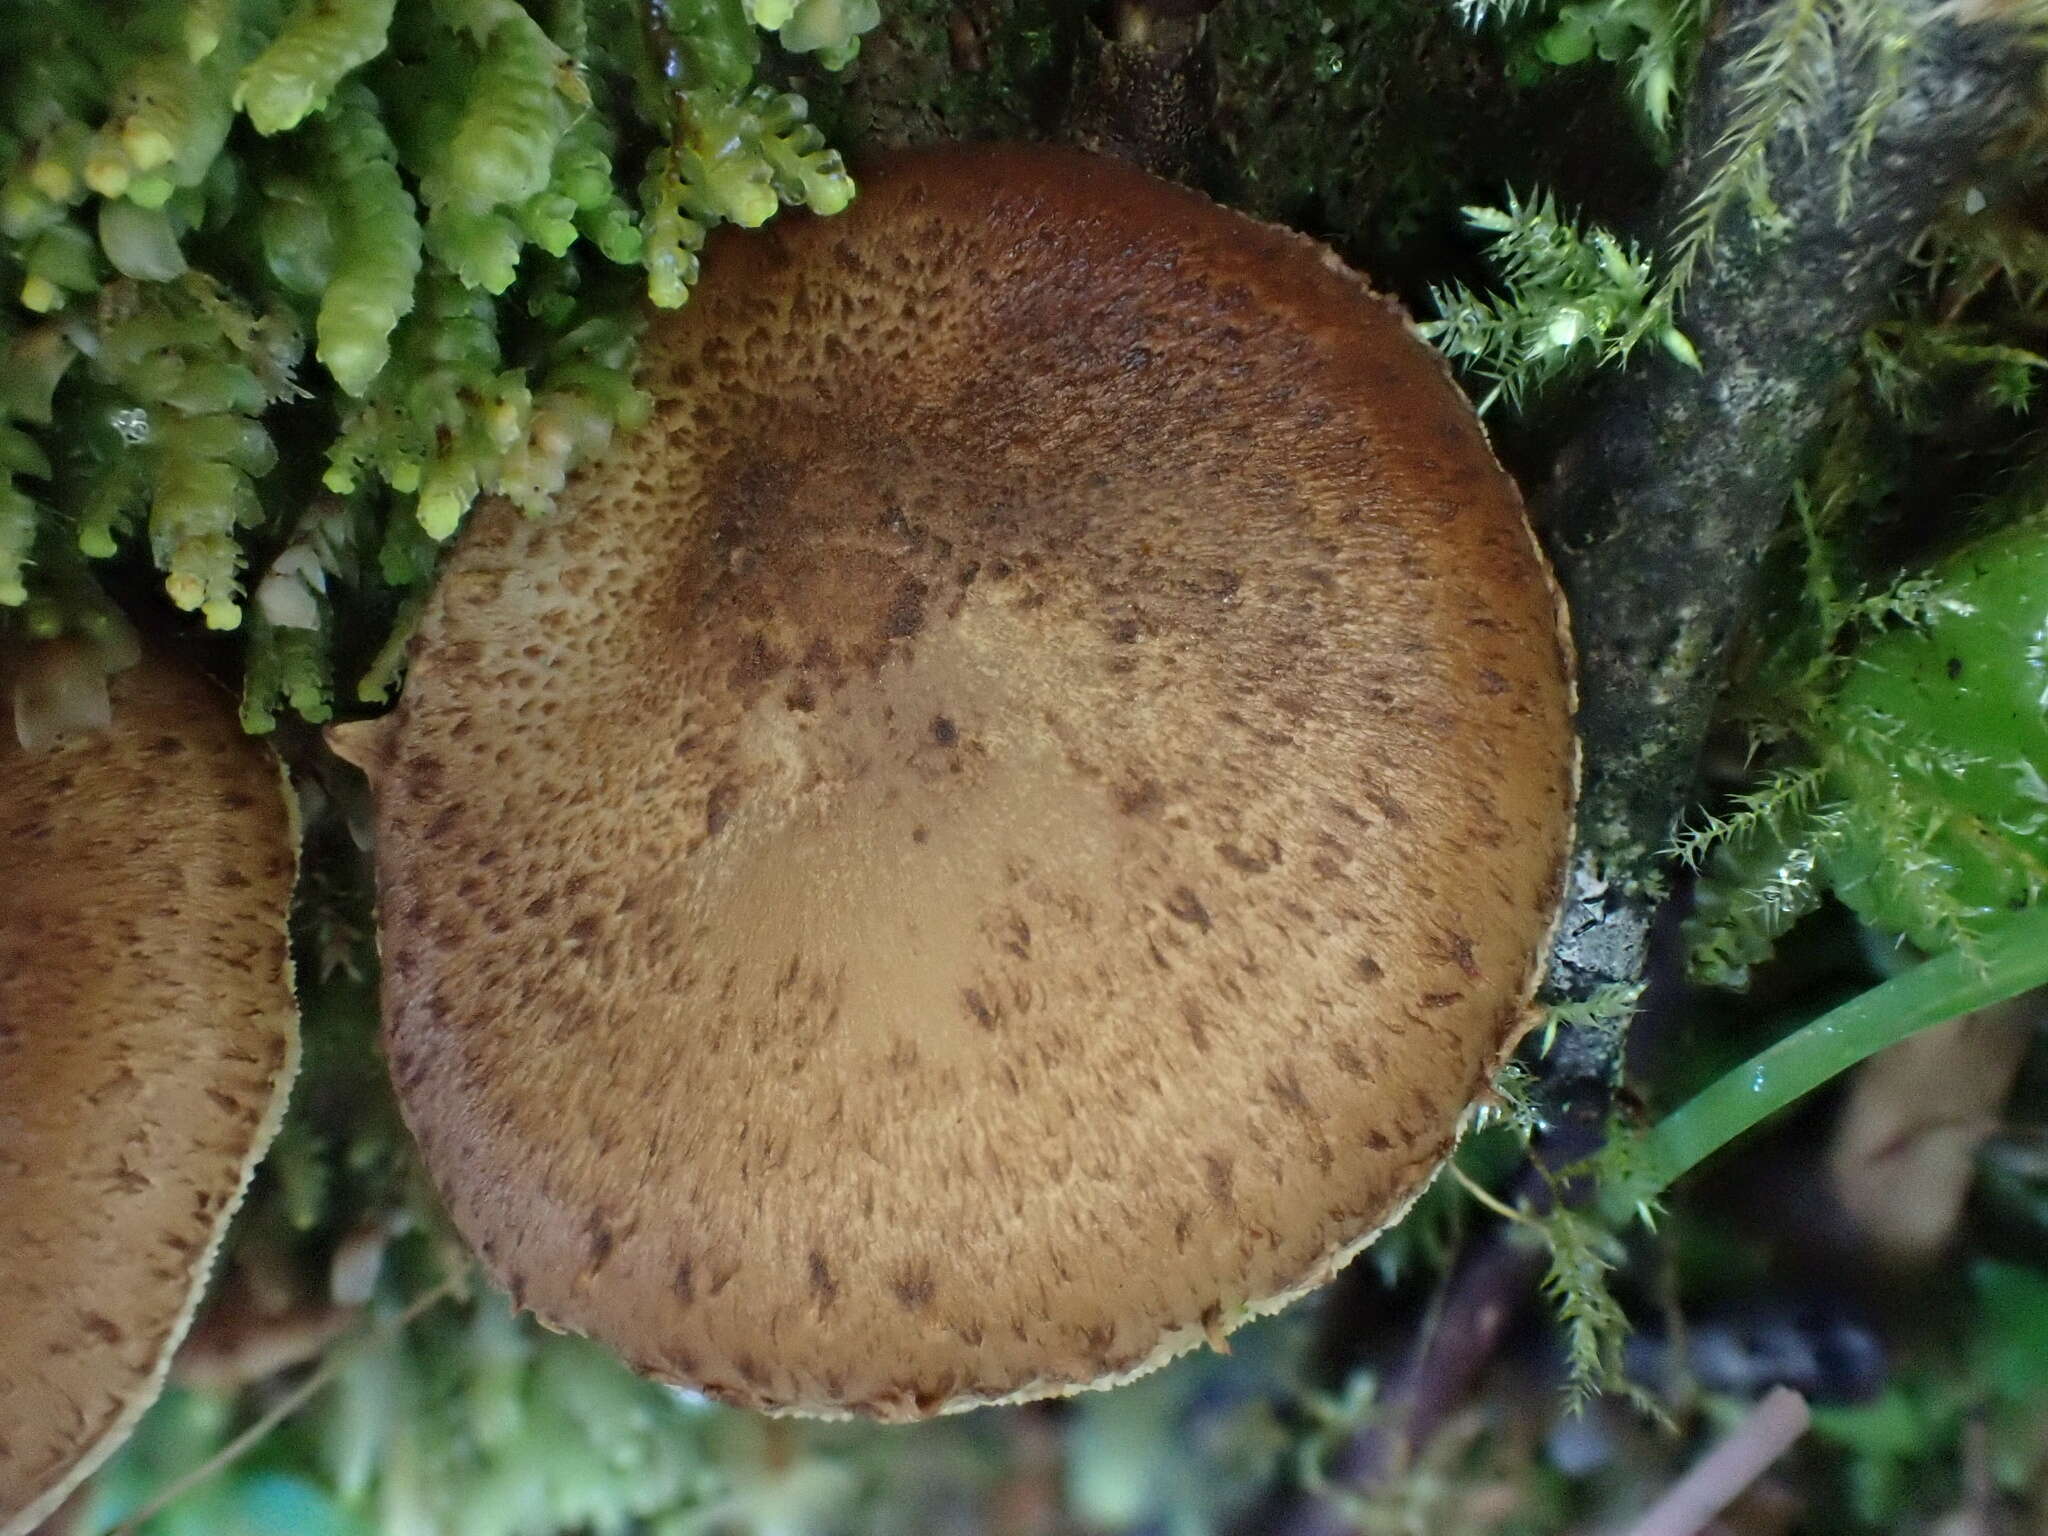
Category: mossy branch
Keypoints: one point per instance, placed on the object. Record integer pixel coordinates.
(1658, 514)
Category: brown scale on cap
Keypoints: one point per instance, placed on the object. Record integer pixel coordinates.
(147, 1042)
(1001, 834)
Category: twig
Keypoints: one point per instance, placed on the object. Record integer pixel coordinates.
(1729, 1468)
(285, 1407)
(1475, 1306)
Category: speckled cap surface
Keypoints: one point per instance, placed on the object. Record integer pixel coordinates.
(148, 1039)
(1001, 833)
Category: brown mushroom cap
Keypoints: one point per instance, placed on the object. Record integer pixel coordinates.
(147, 1041)
(1001, 834)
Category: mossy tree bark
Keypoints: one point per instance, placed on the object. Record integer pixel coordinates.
(1658, 514)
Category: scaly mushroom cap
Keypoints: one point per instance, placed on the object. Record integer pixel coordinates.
(1000, 835)
(147, 1041)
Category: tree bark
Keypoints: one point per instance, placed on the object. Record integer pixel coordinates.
(1658, 513)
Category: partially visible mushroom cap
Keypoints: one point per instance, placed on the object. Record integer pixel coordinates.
(1002, 833)
(147, 1041)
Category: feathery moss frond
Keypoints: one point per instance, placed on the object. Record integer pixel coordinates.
(1569, 300)
(1803, 48)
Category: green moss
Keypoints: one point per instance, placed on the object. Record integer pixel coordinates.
(376, 236)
